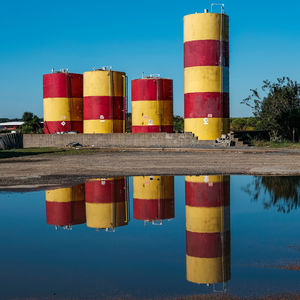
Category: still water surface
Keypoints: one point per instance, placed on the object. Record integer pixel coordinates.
(147, 237)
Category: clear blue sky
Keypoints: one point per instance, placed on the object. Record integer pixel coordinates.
(135, 37)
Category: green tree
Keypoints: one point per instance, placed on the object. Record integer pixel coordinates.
(178, 124)
(31, 123)
(278, 111)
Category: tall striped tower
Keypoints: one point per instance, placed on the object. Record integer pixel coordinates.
(206, 75)
(104, 93)
(62, 93)
(106, 203)
(207, 229)
(153, 198)
(152, 104)
(66, 206)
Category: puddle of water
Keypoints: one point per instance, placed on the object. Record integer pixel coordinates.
(152, 236)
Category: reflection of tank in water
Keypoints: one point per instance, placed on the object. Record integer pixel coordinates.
(65, 207)
(106, 203)
(153, 198)
(207, 229)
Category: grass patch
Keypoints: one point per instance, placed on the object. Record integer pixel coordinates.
(47, 150)
(284, 144)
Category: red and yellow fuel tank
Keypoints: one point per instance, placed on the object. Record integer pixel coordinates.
(152, 104)
(206, 75)
(63, 103)
(104, 101)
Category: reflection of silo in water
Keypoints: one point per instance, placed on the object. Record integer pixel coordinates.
(207, 229)
(106, 203)
(66, 206)
(153, 198)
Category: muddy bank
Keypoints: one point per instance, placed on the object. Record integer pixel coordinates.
(46, 170)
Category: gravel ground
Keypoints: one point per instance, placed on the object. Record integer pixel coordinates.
(44, 170)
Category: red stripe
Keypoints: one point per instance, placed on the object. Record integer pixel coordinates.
(55, 85)
(65, 213)
(56, 126)
(62, 85)
(154, 128)
(153, 209)
(205, 53)
(207, 245)
(206, 105)
(109, 107)
(151, 89)
(77, 126)
(207, 194)
(105, 191)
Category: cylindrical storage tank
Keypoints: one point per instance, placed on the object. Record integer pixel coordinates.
(207, 229)
(66, 206)
(106, 203)
(153, 198)
(63, 106)
(152, 104)
(104, 95)
(206, 75)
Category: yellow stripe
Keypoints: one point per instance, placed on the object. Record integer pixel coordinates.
(205, 26)
(203, 79)
(57, 109)
(97, 126)
(205, 128)
(106, 215)
(153, 187)
(152, 113)
(98, 83)
(207, 219)
(207, 270)
(75, 193)
(76, 109)
(205, 179)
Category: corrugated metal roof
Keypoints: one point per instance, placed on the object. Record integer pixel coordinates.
(16, 123)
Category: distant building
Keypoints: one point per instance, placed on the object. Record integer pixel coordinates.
(12, 126)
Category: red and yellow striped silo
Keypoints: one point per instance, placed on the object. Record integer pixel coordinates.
(104, 95)
(152, 104)
(207, 229)
(106, 203)
(65, 206)
(63, 106)
(206, 75)
(153, 198)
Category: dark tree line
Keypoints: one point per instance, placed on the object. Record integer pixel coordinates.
(277, 108)
(282, 192)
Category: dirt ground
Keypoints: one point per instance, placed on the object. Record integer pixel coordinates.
(39, 171)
